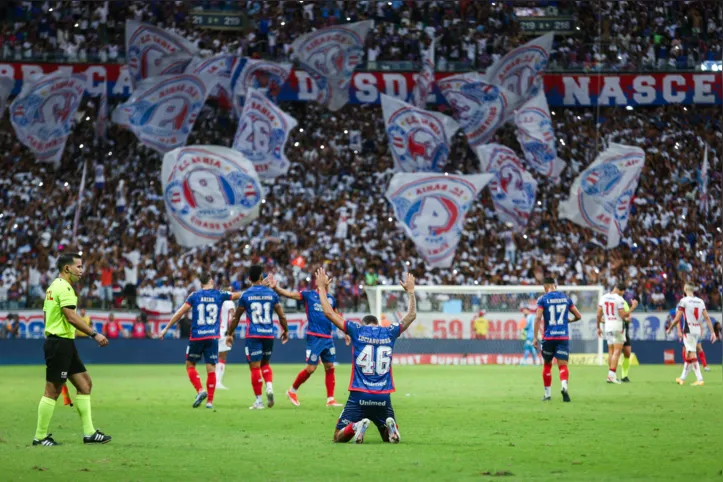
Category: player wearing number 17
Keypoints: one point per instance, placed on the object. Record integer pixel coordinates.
(205, 306)
(371, 377)
(554, 308)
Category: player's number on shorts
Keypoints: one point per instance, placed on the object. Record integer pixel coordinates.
(207, 314)
(557, 313)
(261, 313)
(379, 364)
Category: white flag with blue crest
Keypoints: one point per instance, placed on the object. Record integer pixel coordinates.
(420, 140)
(431, 208)
(537, 137)
(208, 191)
(601, 196)
(331, 55)
(263, 130)
(262, 75)
(219, 68)
(424, 79)
(513, 189)
(43, 113)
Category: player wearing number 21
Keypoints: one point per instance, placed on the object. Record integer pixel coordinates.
(205, 332)
(371, 380)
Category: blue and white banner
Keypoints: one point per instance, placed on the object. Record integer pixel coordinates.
(208, 191)
(479, 107)
(601, 196)
(171, 64)
(513, 189)
(703, 183)
(330, 55)
(219, 68)
(262, 75)
(424, 80)
(162, 110)
(420, 140)
(43, 113)
(263, 130)
(431, 210)
(537, 137)
(520, 71)
(6, 86)
(147, 45)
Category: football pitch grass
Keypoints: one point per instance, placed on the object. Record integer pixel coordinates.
(457, 423)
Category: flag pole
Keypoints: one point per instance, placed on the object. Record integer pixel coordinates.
(76, 219)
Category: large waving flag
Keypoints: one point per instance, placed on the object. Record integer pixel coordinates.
(537, 137)
(520, 71)
(262, 75)
(220, 68)
(513, 189)
(43, 113)
(330, 55)
(263, 130)
(6, 86)
(162, 110)
(423, 80)
(479, 107)
(601, 196)
(420, 140)
(703, 182)
(147, 45)
(208, 191)
(431, 209)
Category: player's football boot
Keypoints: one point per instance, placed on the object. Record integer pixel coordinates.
(293, 398)
(221, 386)
(698, 383)
(257, 406)
(333, 403)
(269, 398)
(360, 428)
(97, 438)
(46, 442)
(706, 369)
(626, 380)
(209, 405)
(680, 381)
(565, 396)
(393, 430)
(202, 395)
(546, 398)
(614, 380)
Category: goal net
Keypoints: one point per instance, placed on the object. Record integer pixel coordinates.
(480, 324)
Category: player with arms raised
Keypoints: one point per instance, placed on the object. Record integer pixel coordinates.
(614, 310)
(691, 309)
(371, 379)
(259, 302)
(554, 308)
(205, 331)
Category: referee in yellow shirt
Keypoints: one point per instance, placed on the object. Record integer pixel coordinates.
(61, 356)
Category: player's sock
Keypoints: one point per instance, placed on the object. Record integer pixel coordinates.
(257, 382)
(330, 381)
(220, 370)
(211, 385)
(626, 367)
(300, 379)
(268, 375)
(564, 376)
(696, 370)
(82, 403)
(686, 369)
(347, 433)
(701, 357)
(611, 372)
(547, 379)
(195, 379)
(45, 414)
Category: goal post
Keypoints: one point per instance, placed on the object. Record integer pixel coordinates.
(448, 312)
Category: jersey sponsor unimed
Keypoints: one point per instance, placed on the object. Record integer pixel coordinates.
(259, 303)
(555, 312)
(372, 352)
(611, 304)
(205, 313)
(692, 308)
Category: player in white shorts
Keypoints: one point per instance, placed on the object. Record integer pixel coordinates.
(226, 314)
(691, 309)
(612, 309)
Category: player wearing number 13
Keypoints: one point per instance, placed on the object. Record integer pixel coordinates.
(205, 306)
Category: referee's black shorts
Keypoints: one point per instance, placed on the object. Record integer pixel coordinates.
(61, 359)
(627, 334)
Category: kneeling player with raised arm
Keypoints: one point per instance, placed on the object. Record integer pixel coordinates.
(371, 381)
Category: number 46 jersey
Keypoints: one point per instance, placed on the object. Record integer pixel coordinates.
(556, 312)
(206, 313)
(372, 350)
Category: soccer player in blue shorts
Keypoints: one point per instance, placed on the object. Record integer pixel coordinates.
(205, 306)
(371, 381)
(319, 342)
(529, 336)
(554, 308)
(259, 302)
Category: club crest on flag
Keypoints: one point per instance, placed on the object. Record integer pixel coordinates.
(519, 71)
(257, 74)
(536, 136)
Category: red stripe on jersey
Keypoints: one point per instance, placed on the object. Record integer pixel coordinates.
(317, 334)
(260, 336)
(205, 338)
(555, 337)
(377, 392)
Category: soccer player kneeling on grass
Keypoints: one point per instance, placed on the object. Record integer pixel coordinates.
(61, 355)
(371, 381)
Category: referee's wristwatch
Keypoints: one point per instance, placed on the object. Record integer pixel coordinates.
(94, 334)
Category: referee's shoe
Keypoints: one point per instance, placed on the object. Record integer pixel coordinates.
(97, 438)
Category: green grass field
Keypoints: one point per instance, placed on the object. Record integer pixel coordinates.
(457, 423)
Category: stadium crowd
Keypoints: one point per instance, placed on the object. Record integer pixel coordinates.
(611, 35)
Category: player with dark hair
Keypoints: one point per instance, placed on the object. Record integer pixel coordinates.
(205, 332)
(627, 346)
(61, 355)
(554, 308)
(259, 302)
(319, 343)
(371, 383)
